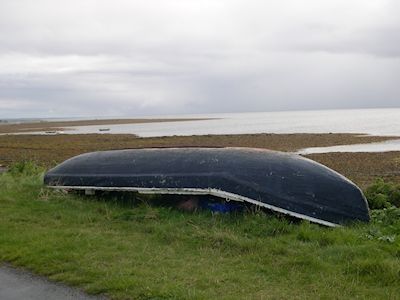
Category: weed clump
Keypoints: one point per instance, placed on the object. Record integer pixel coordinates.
(383, 194)
(387, 216)
(25, 168)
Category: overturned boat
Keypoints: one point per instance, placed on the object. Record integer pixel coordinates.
(285, 183)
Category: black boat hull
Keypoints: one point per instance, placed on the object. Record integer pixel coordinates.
(285, 183)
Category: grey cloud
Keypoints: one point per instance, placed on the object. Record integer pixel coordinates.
(185, 56)
(380, 42)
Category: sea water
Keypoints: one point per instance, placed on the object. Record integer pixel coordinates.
(381, 122)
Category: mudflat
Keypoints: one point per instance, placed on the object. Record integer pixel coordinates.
(362, 168)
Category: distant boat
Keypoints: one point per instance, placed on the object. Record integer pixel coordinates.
(285, 183)
(54, 132)
(104, 129)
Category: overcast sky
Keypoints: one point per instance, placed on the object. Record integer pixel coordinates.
(128, 58)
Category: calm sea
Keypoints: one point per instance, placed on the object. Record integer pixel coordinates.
(364, 121)
(383, 122)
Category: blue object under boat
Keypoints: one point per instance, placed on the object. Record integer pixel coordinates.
(285, 183)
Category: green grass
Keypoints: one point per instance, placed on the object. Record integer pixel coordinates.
(132, 250)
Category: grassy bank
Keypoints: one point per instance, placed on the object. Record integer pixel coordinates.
(132, 250)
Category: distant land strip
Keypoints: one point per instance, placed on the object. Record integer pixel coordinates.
(62, 125)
